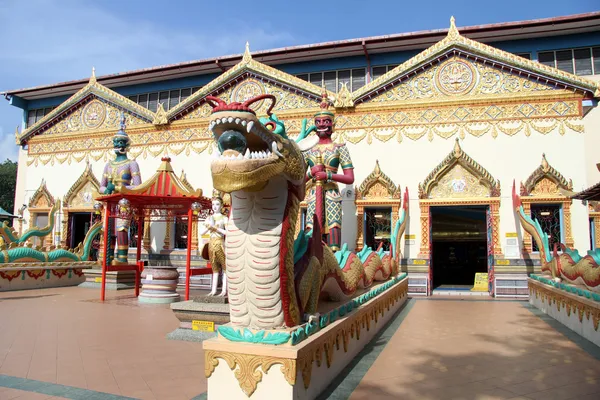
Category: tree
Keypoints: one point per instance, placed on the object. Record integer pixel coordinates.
(8, 184)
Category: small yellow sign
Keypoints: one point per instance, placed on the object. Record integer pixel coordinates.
(98, 280)
(205, 326)
(502, 262)
(419, 262)
(481, 282)
(407, 237)
(511, 234)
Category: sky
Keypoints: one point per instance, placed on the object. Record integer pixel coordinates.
(50, 41)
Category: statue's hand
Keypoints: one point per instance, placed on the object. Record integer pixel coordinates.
(321, 176)
(316, 169)
(110, 188)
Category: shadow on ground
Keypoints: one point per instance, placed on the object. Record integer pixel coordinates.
(531, 356)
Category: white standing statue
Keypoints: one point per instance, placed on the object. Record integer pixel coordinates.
(213, 251)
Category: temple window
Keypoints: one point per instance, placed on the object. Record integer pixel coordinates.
(353, 78)
(378, 227)
(582, 61)
(543, 200)
(168, 99)
(181, 232)
(550, 217)
(381, 70)
(524, 55)
(34, 116)
(377, 209)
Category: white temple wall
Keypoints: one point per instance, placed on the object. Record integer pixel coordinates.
(592, 145)
(407, 163)
(506, 158)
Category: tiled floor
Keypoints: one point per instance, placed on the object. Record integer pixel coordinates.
(441, 350)
(479, 350)
(65, 336)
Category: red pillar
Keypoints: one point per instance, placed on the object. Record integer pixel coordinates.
(106, 248)
(189, 256)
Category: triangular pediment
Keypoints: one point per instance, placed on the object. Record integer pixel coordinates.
(459, 176)
(94, 108)
(545, 181)
(458, 67)
(41, 197)
(84, 190)
(248, 79)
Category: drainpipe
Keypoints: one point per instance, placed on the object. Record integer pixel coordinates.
(368, 78)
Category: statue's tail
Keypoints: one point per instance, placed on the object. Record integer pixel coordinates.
(35, 231)
(532, 227)
(84, 252)
(399, 229)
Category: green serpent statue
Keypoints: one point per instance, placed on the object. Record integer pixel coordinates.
(19, 253)
(8, 234)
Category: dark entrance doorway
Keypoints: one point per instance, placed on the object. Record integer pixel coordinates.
(80, 225)
(459, 245)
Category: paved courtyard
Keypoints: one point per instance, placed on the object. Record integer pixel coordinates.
(63, 343)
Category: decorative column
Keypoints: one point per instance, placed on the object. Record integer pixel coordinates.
(167, 241)
(569, 242)
(495, 211)
(146, 244)
(527, 240)
(194, 235)
(425, 247)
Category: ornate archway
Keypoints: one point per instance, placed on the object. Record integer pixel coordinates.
(79, 198)
(377, 190)
(40, 204)
(544, 186)
(459, 180)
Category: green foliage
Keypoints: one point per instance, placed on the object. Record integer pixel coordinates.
(8, 184)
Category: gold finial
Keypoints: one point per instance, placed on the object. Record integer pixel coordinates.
(93, 77)
(343, 99)
(545, 165)
(457, 148)
(452, 32)
(247, 56)
(160, 117)
(377, 168)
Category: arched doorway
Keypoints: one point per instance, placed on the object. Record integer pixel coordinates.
(460, 204)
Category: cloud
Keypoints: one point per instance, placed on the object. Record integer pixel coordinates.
(8, 147)
(60, 40)
(63, 39)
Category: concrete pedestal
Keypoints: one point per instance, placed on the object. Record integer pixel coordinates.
(241, 370)
(159, 285)
(197, 314)
(577, 313)
(115, 280)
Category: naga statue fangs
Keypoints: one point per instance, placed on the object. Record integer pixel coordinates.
(276, 275)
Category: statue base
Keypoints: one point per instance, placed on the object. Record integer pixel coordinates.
(159, 285)
(574, 306)
(115, 280)
(237, 370)
(199, 318)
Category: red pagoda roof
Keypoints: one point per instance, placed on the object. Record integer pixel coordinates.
(163, 190)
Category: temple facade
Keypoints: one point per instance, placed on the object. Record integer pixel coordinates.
(451, 129)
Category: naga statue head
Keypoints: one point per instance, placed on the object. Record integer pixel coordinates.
(121, 140)
(251, 150)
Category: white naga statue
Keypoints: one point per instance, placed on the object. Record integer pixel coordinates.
(213, 251)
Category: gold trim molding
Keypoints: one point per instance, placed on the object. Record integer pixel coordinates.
(456, 158)
(560, 300)
(251, 367)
